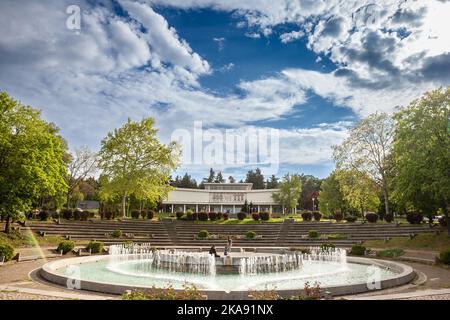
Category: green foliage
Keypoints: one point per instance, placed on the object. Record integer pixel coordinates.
(265, 215)
(313, 234)
(327, 246)
(307, 216)
(414, 217)
(135, 162)
(116, 233)
(390, 253)
(351, 219)
(6, 251)
(241, 215)
(66, 246)
(331, 198)
(337, 236)
(203, 234)
(95, 246)
(358, 250)
(371, 217)
(444, 256)
(250, 235)
(290, 190)
(31, 157)
(179, 214)
(188, 293)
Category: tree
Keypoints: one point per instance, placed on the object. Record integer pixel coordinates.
(272, 183)
(135, 162)
(310, 190)
(231, 179)
(330, 196)
(31, 159)
(359, 190)
(422, 153)
(290, 190)
(186, 182)
(82, 164)
(212, 176)
(256, 178)
(367, 150)
(219, 178)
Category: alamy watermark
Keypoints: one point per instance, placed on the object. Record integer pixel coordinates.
(73, 21)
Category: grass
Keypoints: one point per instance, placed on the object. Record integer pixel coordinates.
(390, 253)
(28, 238)
(422, 241)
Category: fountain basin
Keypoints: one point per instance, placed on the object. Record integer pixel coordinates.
(92, 273)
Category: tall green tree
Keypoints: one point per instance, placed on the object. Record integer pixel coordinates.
(272, 183)
(331, 197)
(135, 162)
(255, 177)
(422, 153)
(219, 178)
(310, 190)
(31, 159)
(290, 190)
(368, 149)
(231, 179)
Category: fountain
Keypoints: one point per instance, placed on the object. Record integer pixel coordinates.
(232, 277)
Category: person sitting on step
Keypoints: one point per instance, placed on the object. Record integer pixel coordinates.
(213, 251)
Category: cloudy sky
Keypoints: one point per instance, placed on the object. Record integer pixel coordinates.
(308, 68)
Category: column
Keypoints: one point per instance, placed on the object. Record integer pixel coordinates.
(221, 208)
(171, 208)
(184, 208)
(234, 208)
(209, 208)
(196, 208)
(270, 209)
(259, 210)
(282, 209)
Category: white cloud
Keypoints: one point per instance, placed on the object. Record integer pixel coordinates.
(291, 36)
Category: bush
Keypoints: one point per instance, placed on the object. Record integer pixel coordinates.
(338, 217)
(116, 233)
(67, 214)
(443, 221)
(313, 234)
(390, 253)
(337, 236)
(444, 256)
(372, 217)
(225, 216)
(250, 235)
(358, 250)
(55, 215)
(84, 215)
(241, 215)
(255, 216)
(203, 216)
(212, 216)
(66, 246)
(135, 214)
(414, 217)
(77, 214)
(307, 216)
(351, 219)
(389, 218)
(179, 215)
(109, 215)
(44, 215)
(265, 216)
(6, 251)
(317, 215)
(150, 214)
(95, 246)
(203, 234)
(327, 246)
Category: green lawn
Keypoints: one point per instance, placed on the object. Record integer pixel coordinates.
(430, 242)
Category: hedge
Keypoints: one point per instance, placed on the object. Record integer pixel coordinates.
(255, 216)
(95, 246)
(66, 246)
(371, 217)
(307, 216)
(241, 215)
(358, 250)
(265, 216)
(6, 251)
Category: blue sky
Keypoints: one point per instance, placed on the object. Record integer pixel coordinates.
(306, 68)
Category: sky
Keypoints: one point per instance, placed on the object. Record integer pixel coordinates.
(307, 69)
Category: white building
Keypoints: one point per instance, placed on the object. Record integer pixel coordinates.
(221, 197)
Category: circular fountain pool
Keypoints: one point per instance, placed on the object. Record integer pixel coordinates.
(229, 277)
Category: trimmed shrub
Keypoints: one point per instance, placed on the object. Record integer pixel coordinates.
(372, 217)
(95, 247)
(358, 250)
(77, 214)
(55, 215)
(444, 257)
(150, 214)
(313, 234)
(135, 214)
(389, 218)
(44, 215)
(179, 215)
(225, 216)
(265, 216)
(116, 233)
(91, 214)
(338, 217)
(66, 246)
(109, 215)
(241, 215)
(6, 251)
(250, 235)
(203, 234)
(189, 216)
(414, 217)
(84, 215)
(67, 214)
(219, 215)
(443, 221)
(307, 216)
(351, 219)
(327, 246)
(255, 216)
(203, 216)
(317, 215)
(212, 216)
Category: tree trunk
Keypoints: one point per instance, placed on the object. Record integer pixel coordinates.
(447, 218)
(124, 205)
(7, 225)
(68, 200)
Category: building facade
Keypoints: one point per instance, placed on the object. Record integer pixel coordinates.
(221, 197)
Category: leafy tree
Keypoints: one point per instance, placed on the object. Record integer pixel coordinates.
(256, 178)
(330, 196)
(231, 179)
(272, 183)
(186, 182)
(219, 178)
(290, 190)
(422, 153)
(135, 162)
(31, 159)
(367, 150)
(359, 190)
(212, 176)
(245, 207)
(310, 190)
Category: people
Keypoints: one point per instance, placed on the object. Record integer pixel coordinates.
(230, 242)
(213, 251)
